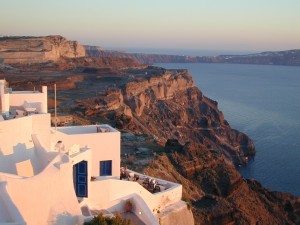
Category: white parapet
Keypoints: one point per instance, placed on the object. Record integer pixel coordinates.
(44, 108)
(121, 188)
(4, 98)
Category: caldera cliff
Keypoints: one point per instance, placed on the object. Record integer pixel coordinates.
(201, 150)
(167, 105)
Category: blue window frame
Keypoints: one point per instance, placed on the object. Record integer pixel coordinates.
(106, 168)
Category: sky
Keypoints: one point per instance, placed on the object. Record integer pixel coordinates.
(193, 25)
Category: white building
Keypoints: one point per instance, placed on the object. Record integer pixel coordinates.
(65, 175)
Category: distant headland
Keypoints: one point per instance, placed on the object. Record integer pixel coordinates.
(286, 58)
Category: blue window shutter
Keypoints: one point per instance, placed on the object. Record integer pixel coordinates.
(106, 168)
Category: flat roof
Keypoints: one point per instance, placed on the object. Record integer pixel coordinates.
(25, 92)
(89, 129)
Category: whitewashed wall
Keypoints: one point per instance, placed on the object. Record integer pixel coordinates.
(39, 100)
(47, 198)
(16, 143)
(103, 146)
(113, 190)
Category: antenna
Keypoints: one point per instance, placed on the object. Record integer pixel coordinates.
(55, 113)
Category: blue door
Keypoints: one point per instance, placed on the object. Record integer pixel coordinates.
(105, 168)
(80, 176)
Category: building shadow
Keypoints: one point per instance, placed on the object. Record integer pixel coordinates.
(8, 208)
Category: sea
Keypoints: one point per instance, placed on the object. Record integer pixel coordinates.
(262, 101)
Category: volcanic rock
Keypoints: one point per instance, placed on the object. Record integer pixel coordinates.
(169, 106)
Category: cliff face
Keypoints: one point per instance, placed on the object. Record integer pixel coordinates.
(38, 49)
(55, 53)
(169, 106)
(217, 192)
(200, 148)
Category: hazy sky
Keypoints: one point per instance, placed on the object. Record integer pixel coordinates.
(235, 25)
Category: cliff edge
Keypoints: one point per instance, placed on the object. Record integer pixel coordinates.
(200, 150)
(38, 49)
(168, 105)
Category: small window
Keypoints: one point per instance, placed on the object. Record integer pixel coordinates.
(105, 168)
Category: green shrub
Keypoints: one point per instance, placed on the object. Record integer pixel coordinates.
(101, 220)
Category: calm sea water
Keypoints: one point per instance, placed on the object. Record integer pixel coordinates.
(264, 102)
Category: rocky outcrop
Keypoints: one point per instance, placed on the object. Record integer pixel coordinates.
(38, 49)
(141, 93)
(170, 100)
(110, 101)
(217, 192)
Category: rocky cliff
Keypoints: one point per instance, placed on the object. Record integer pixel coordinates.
(288, 57)
(201, 149)
(169, 106)
(53, 54)
(217, 192)
(38, 49)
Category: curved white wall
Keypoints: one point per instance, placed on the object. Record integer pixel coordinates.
(47, 198)
(113, 190)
